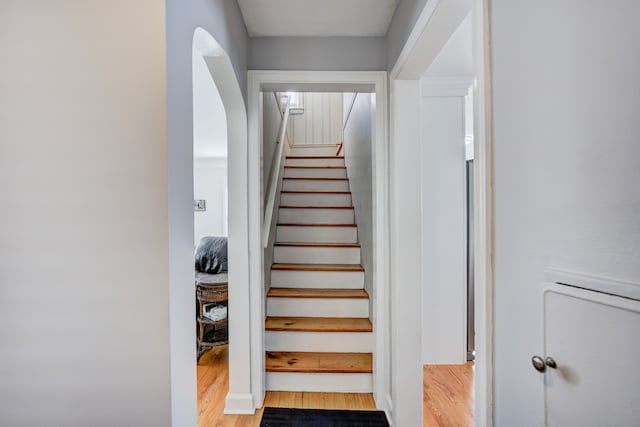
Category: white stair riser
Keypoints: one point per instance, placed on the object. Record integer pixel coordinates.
(321, 161)
(351, 342)
(314, 185)
(317, 234)
(318, 307)
(314, 150)
(315, 216)
(314, 382)
(315, 173)
(317, 199)
(317, 279)
(316, 255)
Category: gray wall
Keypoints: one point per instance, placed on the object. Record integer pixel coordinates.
(358, 156)
(84, 280)
(404, 18)
(566, 168)
(317, 53)
(222, 19)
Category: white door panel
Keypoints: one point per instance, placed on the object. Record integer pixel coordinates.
(594, 339)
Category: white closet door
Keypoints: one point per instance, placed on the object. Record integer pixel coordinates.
(595, 339)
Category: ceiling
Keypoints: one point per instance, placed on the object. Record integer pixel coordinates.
(311, 18)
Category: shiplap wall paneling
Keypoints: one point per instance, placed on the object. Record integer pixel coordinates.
(321, 122)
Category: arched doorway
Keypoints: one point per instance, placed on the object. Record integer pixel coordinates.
(181, 234)
(221, 70)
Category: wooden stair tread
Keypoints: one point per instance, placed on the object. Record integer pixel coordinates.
(318, 245)
(318, 324)
(317, 293)
(313, 225)
(284, 361)
(315, 157)
(315, 207)
(314, 167)
(314, 192)
(317, 267)
(319, 179)
(303, 146)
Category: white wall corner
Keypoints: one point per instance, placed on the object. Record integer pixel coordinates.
(445, 87)
(239, 404)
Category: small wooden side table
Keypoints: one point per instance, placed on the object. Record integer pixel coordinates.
(211, 333)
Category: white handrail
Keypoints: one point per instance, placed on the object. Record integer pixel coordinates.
(346, 120)
(274, 175)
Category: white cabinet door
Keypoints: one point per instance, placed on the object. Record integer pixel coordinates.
(595, 340)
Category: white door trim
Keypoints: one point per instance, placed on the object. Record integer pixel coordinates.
(435, 26)
(371, 81)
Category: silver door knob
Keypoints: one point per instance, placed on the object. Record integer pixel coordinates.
(550, 362)
(541, 364)
(538, 363)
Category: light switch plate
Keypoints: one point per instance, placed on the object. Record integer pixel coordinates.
(199, 205)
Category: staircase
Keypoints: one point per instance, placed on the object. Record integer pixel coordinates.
(318, 333)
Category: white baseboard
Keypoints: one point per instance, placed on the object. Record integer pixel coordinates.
(389, 410)
(239, 404)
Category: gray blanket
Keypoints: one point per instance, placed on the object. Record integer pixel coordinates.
(211, 255)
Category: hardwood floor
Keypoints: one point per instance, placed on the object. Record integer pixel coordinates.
(448, 395)
(447, 399)
(213, 384)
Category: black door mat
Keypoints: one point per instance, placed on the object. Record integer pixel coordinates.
(293, 417)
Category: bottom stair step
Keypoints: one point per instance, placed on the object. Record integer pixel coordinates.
(328, 363)
(318, 382)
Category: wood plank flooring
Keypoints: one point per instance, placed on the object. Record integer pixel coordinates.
(289, 361)
(318, 324)
(213, 384)
(448, 395)
(318, 267)
(447, 400)
(317, 293)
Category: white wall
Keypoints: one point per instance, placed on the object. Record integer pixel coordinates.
(84, 280)
(444, 268)
(317, 53)
(454, 62)
(321, 121)
(210, 184)
(565, 79)
(444, 255)
(358, 157)
(209, 152)
(405, 254)
(209, 118)
(221, 19)
(271, 120)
